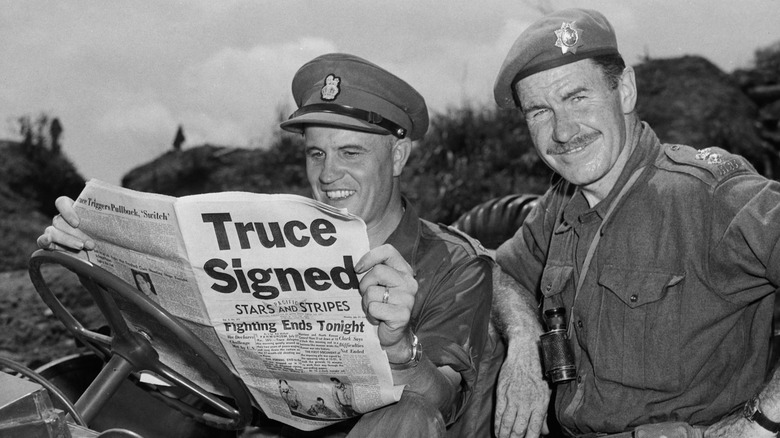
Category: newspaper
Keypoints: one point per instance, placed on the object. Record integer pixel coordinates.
(266, 281)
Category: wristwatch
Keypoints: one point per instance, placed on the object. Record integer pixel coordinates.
(414, 359)
(753, 413)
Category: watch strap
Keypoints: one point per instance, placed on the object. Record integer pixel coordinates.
(753, 413)
(765, 422)
(414, 359)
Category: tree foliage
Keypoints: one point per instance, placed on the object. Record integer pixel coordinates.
(42, 174)
(469, 156)
(767, 62)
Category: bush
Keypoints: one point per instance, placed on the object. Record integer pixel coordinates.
(471, 155)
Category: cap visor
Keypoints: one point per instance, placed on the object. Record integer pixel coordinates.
(330, 119)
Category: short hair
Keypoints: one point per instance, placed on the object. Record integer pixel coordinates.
(612, 66)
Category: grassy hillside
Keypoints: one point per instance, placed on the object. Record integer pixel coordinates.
(31, 178)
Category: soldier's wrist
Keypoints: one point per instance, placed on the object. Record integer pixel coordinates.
(756, 431)
(760, 422)
(410, 356)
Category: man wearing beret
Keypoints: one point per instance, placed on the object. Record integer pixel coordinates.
(663, 257)
(427, 288)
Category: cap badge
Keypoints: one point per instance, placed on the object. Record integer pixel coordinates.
(568, 38)
(331, 88)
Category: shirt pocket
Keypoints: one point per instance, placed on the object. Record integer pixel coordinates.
(637, 337)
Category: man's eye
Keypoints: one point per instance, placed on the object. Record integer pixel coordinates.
(316, 154)
(537, 114)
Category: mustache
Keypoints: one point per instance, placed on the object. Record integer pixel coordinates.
(575, 143)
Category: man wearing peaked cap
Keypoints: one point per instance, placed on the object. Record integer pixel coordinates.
(346, 91)
(421, 280)
(664, 258)
(427, 288)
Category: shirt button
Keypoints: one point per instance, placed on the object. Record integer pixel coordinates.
(548, 287)
(579, 324)
(579, 379)
(634, 298)
(675, 147)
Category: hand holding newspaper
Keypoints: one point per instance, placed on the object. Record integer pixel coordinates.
(267, 281)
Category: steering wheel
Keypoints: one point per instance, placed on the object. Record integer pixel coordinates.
(131, 346)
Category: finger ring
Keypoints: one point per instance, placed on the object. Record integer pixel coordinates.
(386, 295)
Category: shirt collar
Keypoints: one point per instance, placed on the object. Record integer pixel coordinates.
(644, 153)
(406, 236)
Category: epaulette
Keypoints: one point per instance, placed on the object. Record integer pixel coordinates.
(711, 165)
(475, 244)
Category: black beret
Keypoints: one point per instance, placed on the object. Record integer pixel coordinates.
(349, 92)
(554, 40)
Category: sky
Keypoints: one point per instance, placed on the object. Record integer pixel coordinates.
(123, 75)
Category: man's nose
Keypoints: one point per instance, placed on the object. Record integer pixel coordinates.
(331, 171)
(565, 128)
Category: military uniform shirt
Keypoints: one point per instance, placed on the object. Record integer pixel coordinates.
(452, 306)
(674, 316)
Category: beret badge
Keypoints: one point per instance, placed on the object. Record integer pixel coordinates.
(568, 38)
(331, 87)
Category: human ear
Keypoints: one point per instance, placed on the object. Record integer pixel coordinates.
(627, 89)
(402, 148)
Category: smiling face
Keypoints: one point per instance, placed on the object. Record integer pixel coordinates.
(358, 171)
(578, 123)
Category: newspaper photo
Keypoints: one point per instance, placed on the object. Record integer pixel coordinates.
(266, 281)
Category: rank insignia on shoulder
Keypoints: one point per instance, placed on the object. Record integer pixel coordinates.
(723, 166)
(717, 162)
(331, 87)
(568, 38)
(726, 167)
(711, 157)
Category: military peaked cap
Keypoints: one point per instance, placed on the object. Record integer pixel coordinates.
(346, 91)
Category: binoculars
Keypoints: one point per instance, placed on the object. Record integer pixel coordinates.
(557, 354)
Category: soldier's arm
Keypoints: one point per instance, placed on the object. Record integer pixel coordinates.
(522, 392)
